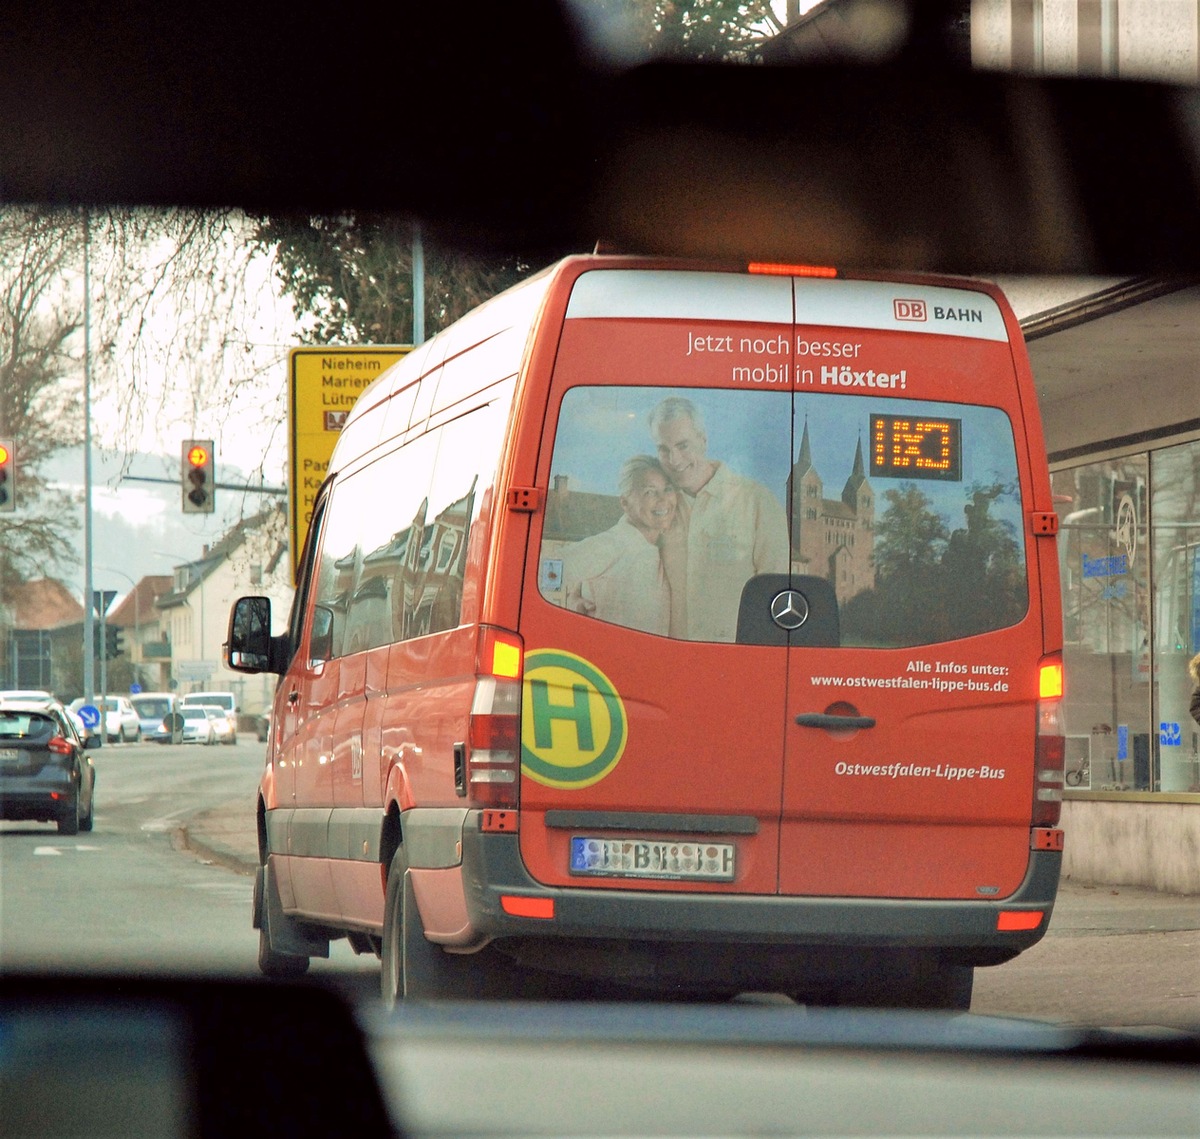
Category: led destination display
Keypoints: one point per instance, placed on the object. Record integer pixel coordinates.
(911, 447)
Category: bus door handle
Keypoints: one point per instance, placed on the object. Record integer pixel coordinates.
(837, 723)
(294, 696)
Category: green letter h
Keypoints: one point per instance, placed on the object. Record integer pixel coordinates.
(545, 713)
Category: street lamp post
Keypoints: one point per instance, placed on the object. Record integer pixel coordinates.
(137, 608)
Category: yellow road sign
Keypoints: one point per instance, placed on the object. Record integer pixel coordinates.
(323, 384)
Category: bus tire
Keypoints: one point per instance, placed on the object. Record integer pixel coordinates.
(280, 966)
(411, 966)
(947, 988)
(923, 983)
(272, 963)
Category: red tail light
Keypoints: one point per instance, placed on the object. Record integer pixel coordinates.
(1050, 746)
(59, 746)
(493, 754)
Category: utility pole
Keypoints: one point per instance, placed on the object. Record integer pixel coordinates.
(418, 286)
(89, 626)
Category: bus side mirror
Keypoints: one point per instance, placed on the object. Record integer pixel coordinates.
(248, 648)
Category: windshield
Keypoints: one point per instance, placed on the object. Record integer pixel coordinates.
(24, 725)
(151, 707)
(525, 556)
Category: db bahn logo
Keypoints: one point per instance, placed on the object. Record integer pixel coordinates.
(909, 310)
(573, 725)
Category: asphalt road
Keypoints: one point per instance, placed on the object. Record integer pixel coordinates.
(130, 895)
(164, 883)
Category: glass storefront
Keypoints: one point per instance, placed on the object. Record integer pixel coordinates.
(1128, 539)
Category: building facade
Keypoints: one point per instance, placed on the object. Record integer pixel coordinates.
(194, 613)
(1114, 363)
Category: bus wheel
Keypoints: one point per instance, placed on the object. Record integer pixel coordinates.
(935, 987)
(949, 988)
(414, 968)
(278, 965)
(272, 963)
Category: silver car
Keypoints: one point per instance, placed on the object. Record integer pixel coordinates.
(152, 708)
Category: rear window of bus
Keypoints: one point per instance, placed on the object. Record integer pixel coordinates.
(922, 545)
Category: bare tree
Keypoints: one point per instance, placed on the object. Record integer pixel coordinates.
(172, 346)
(178, 295)
(39, 384)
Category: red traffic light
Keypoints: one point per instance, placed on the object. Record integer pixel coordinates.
(196, 475)
(8, 476)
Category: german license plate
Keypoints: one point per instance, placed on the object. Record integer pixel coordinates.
(652, 858)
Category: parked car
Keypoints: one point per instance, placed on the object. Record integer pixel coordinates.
(121, 721)
(224, 724)
(225, 702)
(46, 774)
(40, 695)
(262, 726)
(152, 708)
(198, 726)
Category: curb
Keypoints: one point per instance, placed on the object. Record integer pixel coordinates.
(183, 837)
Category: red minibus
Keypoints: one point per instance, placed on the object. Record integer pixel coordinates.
(676, 628)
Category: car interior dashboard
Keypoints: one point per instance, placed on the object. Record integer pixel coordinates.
(185, 1057)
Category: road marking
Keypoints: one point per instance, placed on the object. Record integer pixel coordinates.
(166, 822)
(56, 852)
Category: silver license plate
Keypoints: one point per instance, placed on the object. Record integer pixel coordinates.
(9, 754)
(662, 858)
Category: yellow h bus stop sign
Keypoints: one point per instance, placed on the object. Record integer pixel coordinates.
(323, 384)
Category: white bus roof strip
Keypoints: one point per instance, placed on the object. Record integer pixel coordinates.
(899, 307)
(685, 295)
(681, 295)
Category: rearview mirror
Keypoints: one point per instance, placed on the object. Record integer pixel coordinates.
(248, 648)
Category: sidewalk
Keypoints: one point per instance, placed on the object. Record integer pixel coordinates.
(226, 835)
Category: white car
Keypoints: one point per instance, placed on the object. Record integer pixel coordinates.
(121, 721)
(224, 726)
(198, 727)
(223, 702)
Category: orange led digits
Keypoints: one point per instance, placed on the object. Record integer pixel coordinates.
(916, 448)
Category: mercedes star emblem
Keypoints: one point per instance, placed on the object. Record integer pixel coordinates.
(789, 609)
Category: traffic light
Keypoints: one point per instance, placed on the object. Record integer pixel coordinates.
(196, 474)
(114, 641)
(8, 476)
